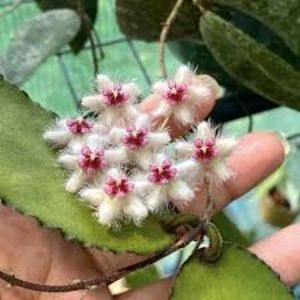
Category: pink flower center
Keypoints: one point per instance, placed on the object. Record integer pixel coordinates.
(118, 187)
(79, 126)
(176, 93)
(162, 174)
(91, 161)
(205, 150)
(135, 138)
(115, 96)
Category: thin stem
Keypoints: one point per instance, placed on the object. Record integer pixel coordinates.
(11, 8)
(201, 5)
(92, 283)
(163, 37)
(164, 123)
(94, 54)
(210, 202)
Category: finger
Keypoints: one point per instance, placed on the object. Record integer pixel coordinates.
(256, 156)
(281, 252)
(202, 109)
(159, 290)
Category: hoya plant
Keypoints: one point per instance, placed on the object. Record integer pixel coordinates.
(114, 177)
(119, 176)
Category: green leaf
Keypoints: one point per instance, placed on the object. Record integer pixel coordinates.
(38, 39)
(142, 277)
(32, 182)
(281, 16)
(86, 10)
(250, 63)
(238, 274)
(229, 230)
(143, 19)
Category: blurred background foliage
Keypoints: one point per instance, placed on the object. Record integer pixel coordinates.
(54, 58)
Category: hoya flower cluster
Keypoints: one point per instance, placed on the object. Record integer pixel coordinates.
(120, 163)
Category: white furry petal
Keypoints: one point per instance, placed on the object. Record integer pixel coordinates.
(188, 169)
(198, 94)
(75, 181)
(143, 120)
(205, 131)
(183, 149)
(103, 82)
(143, 158)
(116, 134)
(115, 156)
(158, 139)
(220, 170)
(157, 198)
(93, 196)
(135, 210)
(225, 146)
(181, 193)
(162, 110)
(184, 114)
(110, 211)
(94, 102)
(160, 87)
(57, 137)
(68, 160)
(142, 186)
(184, 74)
(132, 89)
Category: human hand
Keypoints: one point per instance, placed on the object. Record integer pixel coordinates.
(39, 254)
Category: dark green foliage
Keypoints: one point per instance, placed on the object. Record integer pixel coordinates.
(282, 16)
(251, 63)
(144, 19)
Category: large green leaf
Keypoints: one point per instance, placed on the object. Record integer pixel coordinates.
(86, 10)
(32, 182)
(280, 15)
(36, 41)
(142, 277)
(251, 63)
(229, 231)
(238, 274)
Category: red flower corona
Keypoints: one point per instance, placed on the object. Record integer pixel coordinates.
(91, 161)
(162, 174)
(117, 187)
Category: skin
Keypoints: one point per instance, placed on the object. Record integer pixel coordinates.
(42, 255)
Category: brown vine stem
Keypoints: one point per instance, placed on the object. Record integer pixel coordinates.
(164, 34)
(195, 233)
(210, 203)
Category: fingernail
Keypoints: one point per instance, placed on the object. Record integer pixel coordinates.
(219, 91)
(284, 142)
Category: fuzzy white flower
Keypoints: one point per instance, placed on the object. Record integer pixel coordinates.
(169, 183)
(115, 199)
(140, 141)
(113, 101)
(181, 96)
(86, 160)
(210, 150)
(64, 130)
